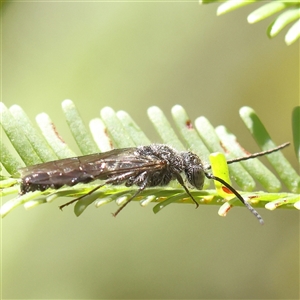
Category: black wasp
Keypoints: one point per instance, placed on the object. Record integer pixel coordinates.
(144, 166)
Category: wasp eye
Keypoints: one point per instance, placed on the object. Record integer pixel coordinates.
(196, 177)
(193, 170)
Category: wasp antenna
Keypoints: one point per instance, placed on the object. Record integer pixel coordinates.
(238, 195)
(262, 153)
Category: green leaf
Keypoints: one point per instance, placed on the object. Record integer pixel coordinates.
(220, 169)
(100, 135)
(8, 160)
(116, 131)
(188, 133)
(283, 20)
(231, 5)
(163, 128)
(254, 167)
(267, 10)
(213, 143)
(79, 131)
(34, 137)
(293, 34)
(284, 169)
(55, 141)
(17, 136)
(137, 135)
(200, 137)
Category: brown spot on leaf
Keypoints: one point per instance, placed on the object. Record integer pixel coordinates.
(226, 190)
(56, 133)
(223, 147)
(189, 124)
(110, 141)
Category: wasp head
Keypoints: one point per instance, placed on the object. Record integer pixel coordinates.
(193, 169)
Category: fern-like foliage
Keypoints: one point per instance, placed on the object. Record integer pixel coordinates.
(118, 130)
(289, 13)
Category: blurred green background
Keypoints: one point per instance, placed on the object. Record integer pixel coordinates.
(131, 56)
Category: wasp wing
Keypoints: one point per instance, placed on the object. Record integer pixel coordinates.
(84, 169)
